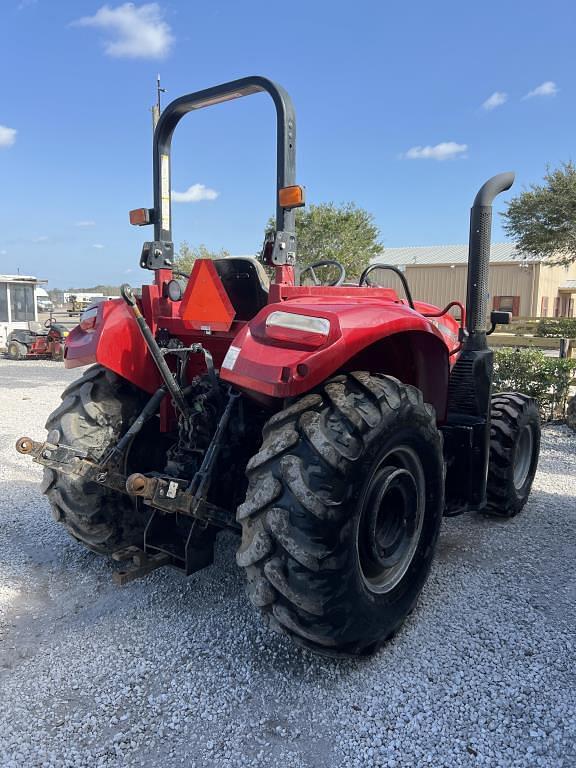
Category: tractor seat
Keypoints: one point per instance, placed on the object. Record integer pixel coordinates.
(246, 283)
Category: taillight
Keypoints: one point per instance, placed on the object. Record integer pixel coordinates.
(308, 330)
(88, 319)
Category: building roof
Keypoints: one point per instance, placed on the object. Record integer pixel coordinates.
(21, 279)
(448, 254)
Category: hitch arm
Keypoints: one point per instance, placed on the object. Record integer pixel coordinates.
(167, 377)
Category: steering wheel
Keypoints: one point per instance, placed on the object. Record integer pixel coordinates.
(325, 263)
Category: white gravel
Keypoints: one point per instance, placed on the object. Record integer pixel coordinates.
(172, 672)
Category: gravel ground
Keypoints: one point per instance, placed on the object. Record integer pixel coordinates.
(170, 672)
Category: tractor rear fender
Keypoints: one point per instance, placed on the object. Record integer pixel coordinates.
(413, 357)
(114, 341)
(378, 336)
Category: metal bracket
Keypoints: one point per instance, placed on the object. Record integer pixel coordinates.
(70, 461)
(142, 564)
(284, 249)
(171, 495)
(158, 254)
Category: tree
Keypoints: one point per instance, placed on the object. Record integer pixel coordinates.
(187, 255)
(345, 233)
(542, 219)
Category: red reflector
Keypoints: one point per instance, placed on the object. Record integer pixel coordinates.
(140, 216)
(206, 305)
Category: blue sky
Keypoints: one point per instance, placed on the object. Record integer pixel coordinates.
(390, 98)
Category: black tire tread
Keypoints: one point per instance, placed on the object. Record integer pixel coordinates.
(506, 411)
(95, 410)
(300, 473)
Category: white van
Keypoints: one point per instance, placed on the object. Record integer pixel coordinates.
(43, 301)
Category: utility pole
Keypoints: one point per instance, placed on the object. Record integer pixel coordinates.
(156, 109)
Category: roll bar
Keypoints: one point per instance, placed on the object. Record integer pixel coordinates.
(175, 111)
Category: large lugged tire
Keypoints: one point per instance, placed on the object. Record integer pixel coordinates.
(16, 350)
(342, 513)
(514, 451)
(96, 410)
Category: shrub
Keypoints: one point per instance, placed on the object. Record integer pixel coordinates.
(558, 327)
(547, 379)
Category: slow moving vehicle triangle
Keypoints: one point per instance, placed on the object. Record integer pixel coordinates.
(206, 305)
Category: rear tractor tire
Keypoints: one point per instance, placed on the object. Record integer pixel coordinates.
(342, 513)
(514, 450)
(95, 412)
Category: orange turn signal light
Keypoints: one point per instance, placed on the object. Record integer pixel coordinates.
(291, 197)
(140, 216)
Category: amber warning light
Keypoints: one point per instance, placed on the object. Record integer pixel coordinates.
(140, 216)
(291, 197)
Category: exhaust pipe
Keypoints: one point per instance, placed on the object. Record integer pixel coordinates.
(479, 258)
(467, 431)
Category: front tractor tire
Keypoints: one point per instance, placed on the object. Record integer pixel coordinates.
(96, 410)
(514, 450)
(342, 513)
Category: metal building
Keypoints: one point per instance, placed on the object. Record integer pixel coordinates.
(525, 286)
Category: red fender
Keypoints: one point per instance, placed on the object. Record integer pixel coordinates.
(258, 363)
(116, 343)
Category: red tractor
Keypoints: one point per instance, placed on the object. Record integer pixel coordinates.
(37, 344)
(332, 425)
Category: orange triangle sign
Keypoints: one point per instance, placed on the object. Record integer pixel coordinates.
(206, 305)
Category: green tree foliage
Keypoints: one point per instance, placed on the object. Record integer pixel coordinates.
(105, 290)
(345, 233)
(187, 255)
(542, 219)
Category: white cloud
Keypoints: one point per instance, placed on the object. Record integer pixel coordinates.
(496, 100)
(194, 194)
(7, 136)
(138, 32)
(41, 239)
(87, 223)
(443, 151)
(549, 88)
(98, 245)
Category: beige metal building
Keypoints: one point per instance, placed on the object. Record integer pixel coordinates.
(525, 286)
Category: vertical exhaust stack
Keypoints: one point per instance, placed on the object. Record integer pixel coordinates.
(479, 257)
(467, 430)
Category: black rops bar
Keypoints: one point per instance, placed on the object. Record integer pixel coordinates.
(479, 258)
(173, 113)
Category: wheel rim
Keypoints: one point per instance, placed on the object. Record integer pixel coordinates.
(523, 458)
(391, 519)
